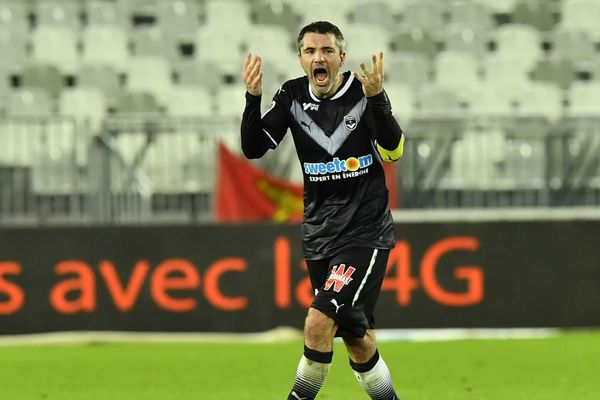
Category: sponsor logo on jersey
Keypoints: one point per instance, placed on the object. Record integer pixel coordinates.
(350, 122)
(340, 276)
(310, 106)
(350, 164)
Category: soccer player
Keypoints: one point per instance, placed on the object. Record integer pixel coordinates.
(343, 130)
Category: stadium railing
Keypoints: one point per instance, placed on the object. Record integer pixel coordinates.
(150, 168)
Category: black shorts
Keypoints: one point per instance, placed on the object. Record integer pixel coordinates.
(347, 286)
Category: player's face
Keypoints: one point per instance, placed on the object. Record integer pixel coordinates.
(321, 60)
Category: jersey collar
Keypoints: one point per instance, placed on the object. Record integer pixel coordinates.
(339, 93)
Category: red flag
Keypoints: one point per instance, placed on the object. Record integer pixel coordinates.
(246, 193)
(390, 178)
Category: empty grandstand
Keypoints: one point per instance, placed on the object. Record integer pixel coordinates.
(111, 111)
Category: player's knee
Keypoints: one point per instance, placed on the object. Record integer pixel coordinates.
(362, 349)
(319, 330)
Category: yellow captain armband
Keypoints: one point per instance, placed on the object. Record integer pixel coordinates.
(392, 155)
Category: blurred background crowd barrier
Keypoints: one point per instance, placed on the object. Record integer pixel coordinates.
(112, 111)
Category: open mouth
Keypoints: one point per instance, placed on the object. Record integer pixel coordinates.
(321, 76)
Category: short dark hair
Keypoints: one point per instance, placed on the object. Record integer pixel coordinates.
(323, 27)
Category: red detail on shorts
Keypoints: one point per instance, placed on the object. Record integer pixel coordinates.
(339, 277)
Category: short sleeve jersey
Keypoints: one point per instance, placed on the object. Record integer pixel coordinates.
(345, 194)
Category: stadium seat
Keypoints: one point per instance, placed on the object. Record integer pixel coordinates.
(86, 104)
(415, 40)
(505, 70)
(178, 19)
(583, 99)
(456, 70)
(205, 74)
(43, 76)
(234, 14)
(56, 45)
(581, 15)
(272, 42)
(537, 13)
(377, 13)
(435, 102)
(104, 44)
(13, 17)
(542, 99)
(499, 6)
(476, 159)
(65, 13)
(29, 103)
(460, 38)
(490, 101)
(186, 101)
(137, 103)
(363, 40)
(576, 46)
(102, 12)
(13, 47)
(102, 77)
(518, 41)
(231, 101)
(224, 47)
(275, 12)
(149, 74)
(150, 40)
(594, 69)
(470, 15)
(5, 83)
(427, 15)
(402, 98)
(316, 10)
(410, 68)
(559, 71)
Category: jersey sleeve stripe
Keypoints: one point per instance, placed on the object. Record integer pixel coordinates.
(270, 137)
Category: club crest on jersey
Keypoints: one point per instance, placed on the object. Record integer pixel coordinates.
(340, 276)
(350, 122)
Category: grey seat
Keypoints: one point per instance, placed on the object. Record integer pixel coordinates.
(102, 77)
(43, 76)
(137, 102)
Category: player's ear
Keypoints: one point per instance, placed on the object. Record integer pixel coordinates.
(343, 58)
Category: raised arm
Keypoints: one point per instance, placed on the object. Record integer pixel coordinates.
(254, 142)
(389, 135)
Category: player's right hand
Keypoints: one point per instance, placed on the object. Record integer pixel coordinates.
(252, 74)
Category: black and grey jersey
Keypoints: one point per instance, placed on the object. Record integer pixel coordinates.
(345, 194)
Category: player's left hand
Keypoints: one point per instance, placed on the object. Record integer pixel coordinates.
(372, 79)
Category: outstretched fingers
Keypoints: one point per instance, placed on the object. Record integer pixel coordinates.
(372, 78)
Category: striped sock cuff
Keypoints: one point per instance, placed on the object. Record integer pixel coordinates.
(318, 356)
(364, 367)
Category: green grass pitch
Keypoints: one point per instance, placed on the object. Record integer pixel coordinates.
(565, 367)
